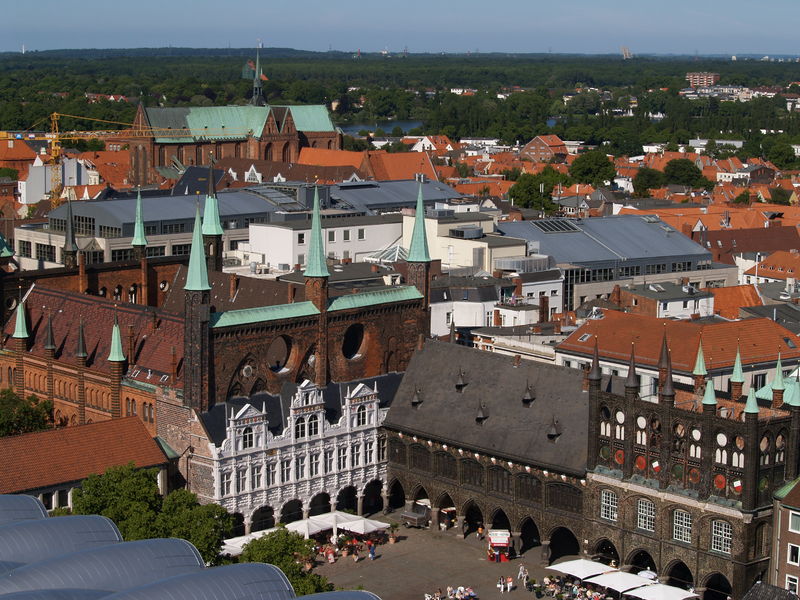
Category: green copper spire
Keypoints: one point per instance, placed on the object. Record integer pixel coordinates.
(21, 327)
(139, 238)
(738, 374)
(710, 396)
(5, 249)
(418, 250)
(197, 277)
(116, 354)
(700, 362)
(751, 406)
(211, 224)
(777, 383)
(316, 264)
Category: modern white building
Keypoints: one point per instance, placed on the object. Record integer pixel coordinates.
(282, 458)
(284, 244)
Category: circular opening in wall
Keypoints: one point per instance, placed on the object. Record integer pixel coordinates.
(353, 339)
(278, 353)
(11, 303)
(163, 286)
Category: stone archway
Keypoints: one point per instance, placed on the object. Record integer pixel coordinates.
(717, 587)
(500, 520)
(641, 560)
(606, 552)
(238, 528)
(292, 511)
(528, 535)
(679, 575)
(320, 504)
(263, 518)
(346, 499)
(444, 512)
(373, 498)
(563, 543)
(397, 495)
(473, 517)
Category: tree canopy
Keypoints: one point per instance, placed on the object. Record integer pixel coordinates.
(593, 167)
(647, 179)
(536, 191)
(682, 171)
(23, 415)
(287, 550)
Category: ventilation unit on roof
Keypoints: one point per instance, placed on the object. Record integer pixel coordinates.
(468, 232)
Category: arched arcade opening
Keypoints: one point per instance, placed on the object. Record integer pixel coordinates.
(679, 575)
(319, 505)
(529, 536)
(606, 552)
(640, 560)
(292, 511)
(346, 500)
(263, 518)
(717, 587)
(373, 498)
(563, 543)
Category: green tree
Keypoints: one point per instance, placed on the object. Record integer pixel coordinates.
(204, 525)
(463, 169)
(10, 173)
(23, 415)
(287, 551)
(126, 495)
(647, 179)
(683, 171)
(779, 195)
(743, 198)
(397, 131)
(781, 154)
(593, 167)
(512, 174)
(536, 191)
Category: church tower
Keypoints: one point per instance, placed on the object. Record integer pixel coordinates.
(316, 280)
(212, 230)
(419, 258)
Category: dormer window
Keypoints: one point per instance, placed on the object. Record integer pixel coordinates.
(247, 438)
(313, 425)
(361, 416)
(300, 428)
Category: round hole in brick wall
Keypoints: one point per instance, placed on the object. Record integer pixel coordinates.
(352, 341)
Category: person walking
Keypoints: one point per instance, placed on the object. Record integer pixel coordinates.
(501, 584)
(521, 573)
(371, 547)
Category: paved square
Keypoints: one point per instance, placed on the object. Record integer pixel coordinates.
(422, 561)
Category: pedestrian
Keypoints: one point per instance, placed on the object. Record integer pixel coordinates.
(521, 573)
(509, 582)
(479, 533)
(355, 553)
(501, 584)
(371, 546)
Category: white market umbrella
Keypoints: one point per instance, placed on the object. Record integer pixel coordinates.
(305, 527)
(333, 520)
(659, 591)
(648, 574)
(234, 546)
(619, 581)
(581, 568)
(363, 526)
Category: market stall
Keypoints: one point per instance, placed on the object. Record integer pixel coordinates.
(500, 548)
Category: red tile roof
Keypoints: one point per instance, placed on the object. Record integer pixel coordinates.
(330, 158)
(760, 340)
(48, 458)
(113, 166)
(400, 165)
(778, 265)
(728, 300)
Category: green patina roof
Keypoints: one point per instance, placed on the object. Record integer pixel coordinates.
(5, 249)
(791, 392)
(700, 362)
(211, 224)
(220, 122)
(197, 276)
(139, 239)
(738, 375)
(316, 263)
(21, 326)
(751, 406)
(261, 314)
(777, 383)
(116, 354)
(710, 396)
(418, 250)
(166, 448)
(784, 490)
(314, 117)
(363, 299)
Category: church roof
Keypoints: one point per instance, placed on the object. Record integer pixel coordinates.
(514, 430)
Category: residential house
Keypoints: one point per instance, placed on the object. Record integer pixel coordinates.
(545, 148)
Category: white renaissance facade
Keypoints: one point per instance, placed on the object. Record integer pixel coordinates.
(311, 467)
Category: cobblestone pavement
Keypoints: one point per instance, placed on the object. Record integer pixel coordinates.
(422, 561)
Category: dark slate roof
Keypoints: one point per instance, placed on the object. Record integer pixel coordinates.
(548, 275)
(512, 431)
(382, 196)
(784, 314)
(195, 181)
(765, 591)
(277, 405)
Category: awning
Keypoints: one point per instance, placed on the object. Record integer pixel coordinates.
(363, 526)
(234, 546)
(581, 568)
(499, 537)
(659, 591)
(619, 581)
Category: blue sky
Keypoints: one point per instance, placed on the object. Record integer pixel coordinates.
(587, 26)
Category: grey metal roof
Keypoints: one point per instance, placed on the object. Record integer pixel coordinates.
(249, 581)
(15, 508)
(536, 276)
(331, 222)
(512, 431)
(381, 196)
(608, 239)
(33, 541)
(112, 568)
(62, 594)
(666, 290)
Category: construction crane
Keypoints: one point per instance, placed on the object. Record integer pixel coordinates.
(55, 137)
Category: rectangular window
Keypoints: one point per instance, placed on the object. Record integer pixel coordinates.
(361, 234)
(794, 522)
(447, 318)
(151, 229)
(608, 505)
(341, 458)
(381, 449)
(46, 252)
(792, 583)
(301, 238)
(299, 468)
(271, 471)
(682, 526)
(301, 259)
(24, 249)
(345, 254)
(110, 232)
(83, 225)
(331, 235)
(155, 251)
(241, 481)
(355, 455)
(314, 465)
(368, 452)
(286, 471)
(226, 484)
(646, 515)
(721, 534)
(759, 381)
(95, 257)
(121, 254)
(346, 235)
(255, 477)
(793, 555)
(172, 228)
(329, 461)
(181, 249)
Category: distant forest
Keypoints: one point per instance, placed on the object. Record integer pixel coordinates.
(416, 87)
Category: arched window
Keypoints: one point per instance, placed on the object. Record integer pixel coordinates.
(764, 446)
(608, 505)
(499, 480)
(361, 416)
(682, 526)
(721, 456)
(247, 438)
(313, 425)
(780, 448)
(300, 428)
(605, 425)
(646, 514)
(721, 534)
(144, 411)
